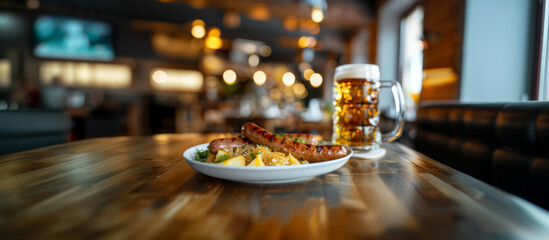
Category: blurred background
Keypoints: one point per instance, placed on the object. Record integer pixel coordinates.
(141, 67)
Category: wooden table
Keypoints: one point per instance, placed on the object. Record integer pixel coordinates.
(141, 188)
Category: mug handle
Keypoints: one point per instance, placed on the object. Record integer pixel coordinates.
(398, 96)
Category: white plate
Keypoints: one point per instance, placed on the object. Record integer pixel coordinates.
(263, 175)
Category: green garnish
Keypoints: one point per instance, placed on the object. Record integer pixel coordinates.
(291, 137)
(222, 158)
(266, 147)
(239, 136)
(201, 155)
(253, 155)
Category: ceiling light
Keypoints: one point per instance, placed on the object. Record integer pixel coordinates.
(305, 42)
(317, 15)
(229, 76)
(316, 80)
(159, 76)
(260, 78)
(288, 79)
(198, 30)
(214, 42)
(177, 79)
(214, 32)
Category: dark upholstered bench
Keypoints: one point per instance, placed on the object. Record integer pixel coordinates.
(32, 128)
(503, 144)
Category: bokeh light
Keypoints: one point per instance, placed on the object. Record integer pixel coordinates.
(316, 80)
(249, 48)
(265, 51)
(231, 20)
(288, 79)
(198, 30)
(253, 60)
(305, 42)
(308, 73)
(213, 41)
(317, 15)
(259, 78)
(290, 23)
(229, 76)
(159, 76)
(214, 32)
(259, 12)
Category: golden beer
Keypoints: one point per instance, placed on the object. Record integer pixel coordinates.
(356, 116)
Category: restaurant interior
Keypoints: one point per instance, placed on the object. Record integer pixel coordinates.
(473, 74)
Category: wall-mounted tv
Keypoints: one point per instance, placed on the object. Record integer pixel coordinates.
(72, 38)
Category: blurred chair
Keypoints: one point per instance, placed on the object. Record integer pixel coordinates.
(27, 129)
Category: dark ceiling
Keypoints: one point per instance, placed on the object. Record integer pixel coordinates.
(342, 18)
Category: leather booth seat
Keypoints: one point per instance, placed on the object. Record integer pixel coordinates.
(503, 144)
(27, 129)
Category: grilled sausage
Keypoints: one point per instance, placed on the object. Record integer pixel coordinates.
(308, 138)
(302, 151)
(226, 143)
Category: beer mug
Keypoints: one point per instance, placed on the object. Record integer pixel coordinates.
(356, 114)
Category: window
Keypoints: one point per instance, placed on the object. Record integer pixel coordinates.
(411, 56)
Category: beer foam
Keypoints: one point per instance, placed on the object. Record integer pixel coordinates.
(370, 72)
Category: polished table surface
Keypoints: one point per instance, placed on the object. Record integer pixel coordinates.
(141, 188)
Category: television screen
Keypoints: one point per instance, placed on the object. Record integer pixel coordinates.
(72, 38)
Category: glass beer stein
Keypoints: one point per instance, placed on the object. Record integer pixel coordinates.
(356, 114)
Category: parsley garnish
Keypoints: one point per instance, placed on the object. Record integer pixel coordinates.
(266, 147)
(222, 158)
(253, 155)
(239, 136)
(282, 134)
(201, 155)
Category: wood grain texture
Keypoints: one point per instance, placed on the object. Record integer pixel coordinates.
(141, 188)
